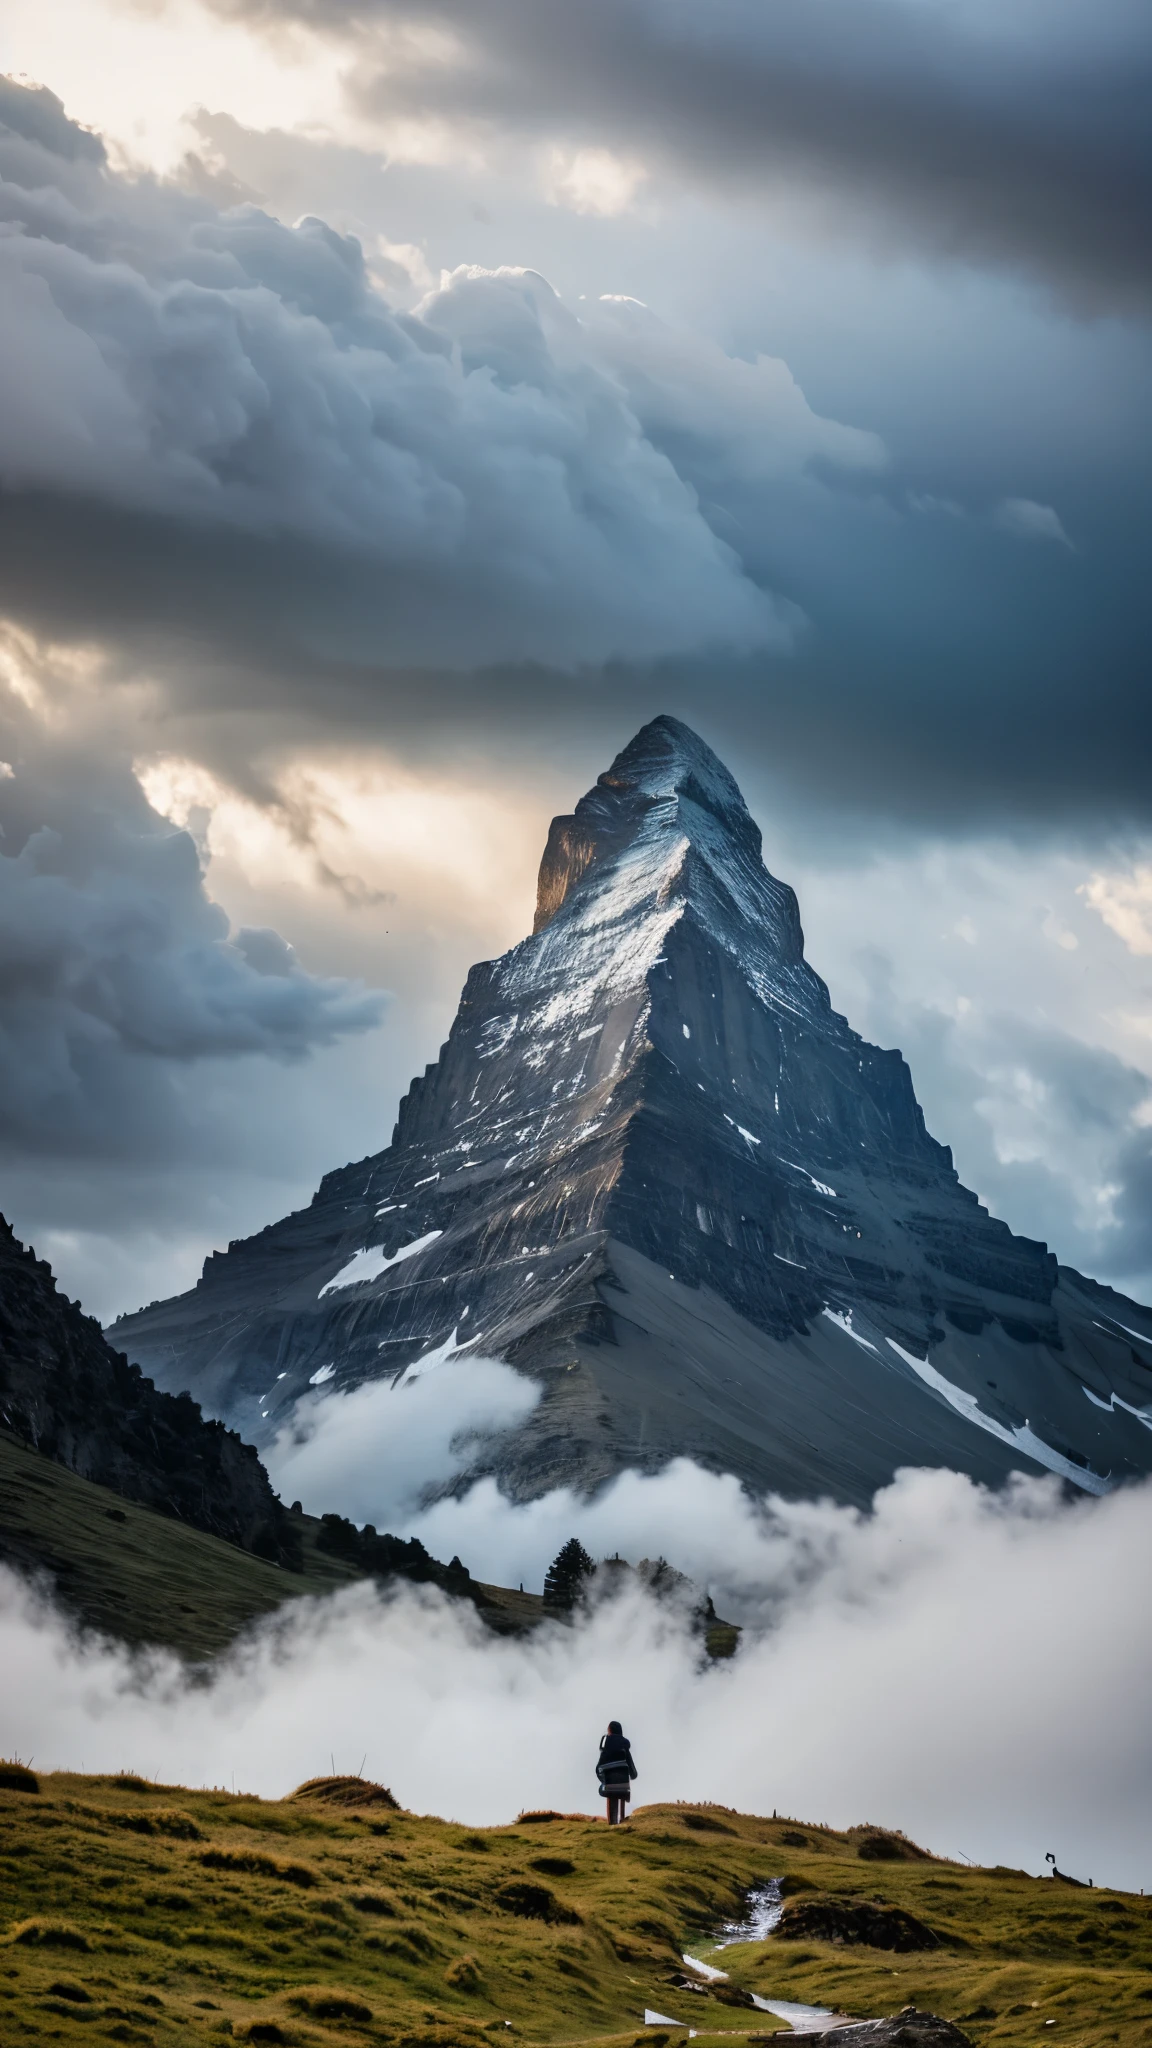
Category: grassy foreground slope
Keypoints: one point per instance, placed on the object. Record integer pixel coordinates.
(153, 1914)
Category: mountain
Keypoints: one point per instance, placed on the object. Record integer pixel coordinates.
(66, 1393)
(656, 1171)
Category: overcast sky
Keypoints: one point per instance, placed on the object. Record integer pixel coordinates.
(402, 404)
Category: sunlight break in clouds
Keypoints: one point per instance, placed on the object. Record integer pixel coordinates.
(593, 181)
(365, 825)
(972, 1667)
(140, 71)
(1125, 904)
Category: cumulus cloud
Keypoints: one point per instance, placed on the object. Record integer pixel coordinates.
(298, 619)
(971, 1667)
(119, 973)
(476, 480)
(378, 1449)
(1018, 141)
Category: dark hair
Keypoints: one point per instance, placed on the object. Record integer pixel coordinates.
(614, 1728)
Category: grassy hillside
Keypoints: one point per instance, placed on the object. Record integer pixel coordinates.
(135, 1573)
(153, 1914)
(141, 1576)
(145, 1578)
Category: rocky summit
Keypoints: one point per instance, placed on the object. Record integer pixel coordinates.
(654, 1170)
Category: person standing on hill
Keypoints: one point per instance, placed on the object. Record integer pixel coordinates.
(615, 1771)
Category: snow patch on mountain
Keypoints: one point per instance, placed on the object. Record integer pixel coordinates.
(1022, 1437)
(844, 1322)
(429, 1360)
(369, 1263)
(1110, 1407)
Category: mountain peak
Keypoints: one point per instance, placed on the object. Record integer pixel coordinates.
(666, 758)
(655, 1171)
(666, 783)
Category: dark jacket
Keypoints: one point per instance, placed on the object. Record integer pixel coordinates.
(614, 1765)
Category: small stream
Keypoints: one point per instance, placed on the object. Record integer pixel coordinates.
(763, 1908)
(803, 2019)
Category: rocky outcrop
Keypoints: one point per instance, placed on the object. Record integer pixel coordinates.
(68, 1394)
(856, 1921)
(905, 2029)
(656, 1171)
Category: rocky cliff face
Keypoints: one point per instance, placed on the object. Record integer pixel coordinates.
(654, 1169)
(64, 1391)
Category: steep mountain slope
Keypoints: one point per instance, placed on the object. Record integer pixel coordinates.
(654, 1169)
(66, 1393)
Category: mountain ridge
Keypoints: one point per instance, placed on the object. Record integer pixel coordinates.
(67, 1394)
(656, 1170)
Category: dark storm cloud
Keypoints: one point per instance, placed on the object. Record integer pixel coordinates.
(471, 482)
(227, 458)
(119, 977)
(1008, 136)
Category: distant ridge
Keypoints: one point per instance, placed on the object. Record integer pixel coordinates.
(66, 1393)
(655, 1170)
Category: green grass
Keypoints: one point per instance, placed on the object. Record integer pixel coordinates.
(137, 1574)
(147, 1579)
(164, 1915)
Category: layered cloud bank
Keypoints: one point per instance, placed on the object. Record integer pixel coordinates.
(972, 1668)
(478, 479)
(1019, 140)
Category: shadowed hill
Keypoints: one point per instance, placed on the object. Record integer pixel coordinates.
(147, 1579)
(66, 1393)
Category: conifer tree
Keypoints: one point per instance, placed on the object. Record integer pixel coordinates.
(564, 1579)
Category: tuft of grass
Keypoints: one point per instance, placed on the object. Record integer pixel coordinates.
(159, 1820)
(534, 1902)
(705, 1824)
(253, 1863)
(353, 1793)
(329, 2002)
(464, 1974)
(853, 1920)
(49, 1934)
(65, 1987)
(16, 1777)
(886, 1845)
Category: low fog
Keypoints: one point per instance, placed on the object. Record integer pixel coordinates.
(967, 1666)
(380, 1449)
